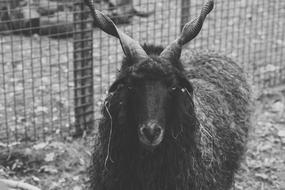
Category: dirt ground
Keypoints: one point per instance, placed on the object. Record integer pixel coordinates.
(63, 165)
(264, 164)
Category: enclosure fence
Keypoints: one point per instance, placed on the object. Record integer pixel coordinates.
(55, 66)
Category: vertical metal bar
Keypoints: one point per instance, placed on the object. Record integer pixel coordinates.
(243, 26)
(83, 70)
(272, 52)
(14, 88)
(176, 20)
(253, 47)
(51, 82)
(59, 78)
(41, 65)
(33, 85)
(185, 12)
(161, 25)
(140, 20)
(68, 50)
(155, 24)
(220, 20)
(262, 82)
(5, 98)
(228, 12)
(22, 49)
(215, 28)
(251, 28)
(169, 22)
(101, 46)
(282, 40)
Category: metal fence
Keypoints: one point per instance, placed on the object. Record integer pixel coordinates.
(51, 84)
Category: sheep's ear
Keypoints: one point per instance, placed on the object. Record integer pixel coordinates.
(117, 84)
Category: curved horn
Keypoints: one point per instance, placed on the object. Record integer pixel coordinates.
(130, 46)
(189, 32)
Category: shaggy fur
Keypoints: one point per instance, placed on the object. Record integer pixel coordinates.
(205, 137)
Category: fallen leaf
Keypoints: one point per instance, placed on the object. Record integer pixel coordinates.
(49, 169)
(40, 146)
(36, 179)
(50, 157)
(277, 107)
(262, 176)
(41, 109)
(281, 133)
(77, 188)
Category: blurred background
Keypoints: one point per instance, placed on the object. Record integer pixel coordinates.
(55, 69)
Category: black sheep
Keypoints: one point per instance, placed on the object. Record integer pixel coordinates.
(171, 122)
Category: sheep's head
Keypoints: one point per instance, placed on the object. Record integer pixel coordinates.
(152, 88)
(152, 83)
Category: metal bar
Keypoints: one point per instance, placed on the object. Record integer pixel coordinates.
(83, 49)
(185, 13)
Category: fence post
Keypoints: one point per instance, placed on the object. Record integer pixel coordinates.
(185, 12)
(83, 69)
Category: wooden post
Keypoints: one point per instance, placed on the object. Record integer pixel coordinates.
(185, 12)
(83, 70)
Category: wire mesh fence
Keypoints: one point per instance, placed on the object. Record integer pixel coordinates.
(55, 67)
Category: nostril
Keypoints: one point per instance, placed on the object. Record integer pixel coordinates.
(156, 132)
(146, 132)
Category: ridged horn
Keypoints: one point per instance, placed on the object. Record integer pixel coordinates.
(131, 47)
(189, 32)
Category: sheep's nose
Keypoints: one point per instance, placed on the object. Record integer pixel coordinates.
(152, 132)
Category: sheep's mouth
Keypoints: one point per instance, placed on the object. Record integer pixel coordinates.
(150, 133)
(150, 145)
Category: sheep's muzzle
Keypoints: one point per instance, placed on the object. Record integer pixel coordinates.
(150, 134)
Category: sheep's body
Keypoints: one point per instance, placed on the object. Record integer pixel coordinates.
(205, 157)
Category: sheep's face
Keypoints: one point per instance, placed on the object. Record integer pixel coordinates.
(150, 102)
(153, 88)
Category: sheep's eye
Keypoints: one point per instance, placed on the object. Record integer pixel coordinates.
(177, 89)
(131, 88)
(173, 89)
